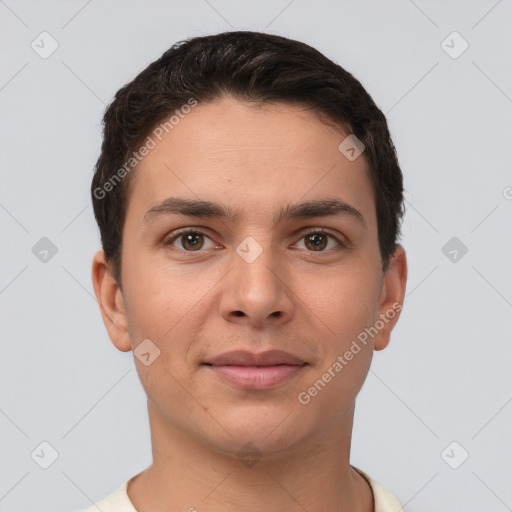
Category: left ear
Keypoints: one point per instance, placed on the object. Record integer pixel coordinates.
(392, 297)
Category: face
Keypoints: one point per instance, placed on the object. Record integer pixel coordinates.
(267, 275)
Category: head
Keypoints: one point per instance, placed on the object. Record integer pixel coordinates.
(240, 136)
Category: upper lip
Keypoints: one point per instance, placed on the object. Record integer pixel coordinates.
(245, 358)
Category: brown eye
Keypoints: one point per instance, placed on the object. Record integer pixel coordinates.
(316, 241)
(192, 242)
(189, 240)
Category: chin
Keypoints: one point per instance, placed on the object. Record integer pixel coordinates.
(265, 429)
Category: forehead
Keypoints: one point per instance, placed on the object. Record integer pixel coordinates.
(250, 157)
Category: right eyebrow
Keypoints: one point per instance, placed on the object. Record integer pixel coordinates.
(192, 208)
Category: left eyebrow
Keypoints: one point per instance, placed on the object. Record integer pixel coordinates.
(319, 208)
(204, 209)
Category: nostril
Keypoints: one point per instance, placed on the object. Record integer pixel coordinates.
(239, 313)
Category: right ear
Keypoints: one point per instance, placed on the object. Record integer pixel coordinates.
(111, 302)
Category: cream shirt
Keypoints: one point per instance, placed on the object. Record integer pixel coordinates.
(118, 501)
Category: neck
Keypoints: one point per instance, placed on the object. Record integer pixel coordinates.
(187, 474)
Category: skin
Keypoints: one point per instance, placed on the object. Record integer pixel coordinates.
(293, 298)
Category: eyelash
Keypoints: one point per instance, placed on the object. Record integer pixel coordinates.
(186, 231)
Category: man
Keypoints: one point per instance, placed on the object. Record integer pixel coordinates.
(249, 200)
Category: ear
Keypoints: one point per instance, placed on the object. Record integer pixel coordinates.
(111, 302)
(392, 297)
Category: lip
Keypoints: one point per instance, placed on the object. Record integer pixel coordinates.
(256, 371)
(246, 358)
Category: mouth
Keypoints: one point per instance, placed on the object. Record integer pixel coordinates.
(247, 370)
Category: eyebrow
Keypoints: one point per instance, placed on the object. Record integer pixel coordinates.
(208, 209)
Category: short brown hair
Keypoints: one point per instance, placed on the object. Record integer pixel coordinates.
(249, 66)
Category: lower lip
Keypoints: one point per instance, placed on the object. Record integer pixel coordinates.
(257, 377)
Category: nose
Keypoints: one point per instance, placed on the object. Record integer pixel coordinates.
(257, 293)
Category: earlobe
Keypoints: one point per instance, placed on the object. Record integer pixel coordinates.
(111, 302)
(392, 297)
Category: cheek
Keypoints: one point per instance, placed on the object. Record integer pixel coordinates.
(345, 300)
(161, 295)
(170, 309)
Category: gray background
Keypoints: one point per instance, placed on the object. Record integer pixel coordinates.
(445, 376)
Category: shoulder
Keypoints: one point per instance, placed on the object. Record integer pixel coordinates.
(385, 500)
(117, 501)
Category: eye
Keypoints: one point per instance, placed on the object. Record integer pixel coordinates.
(193, 240)
(317, 239)
(190, 239)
